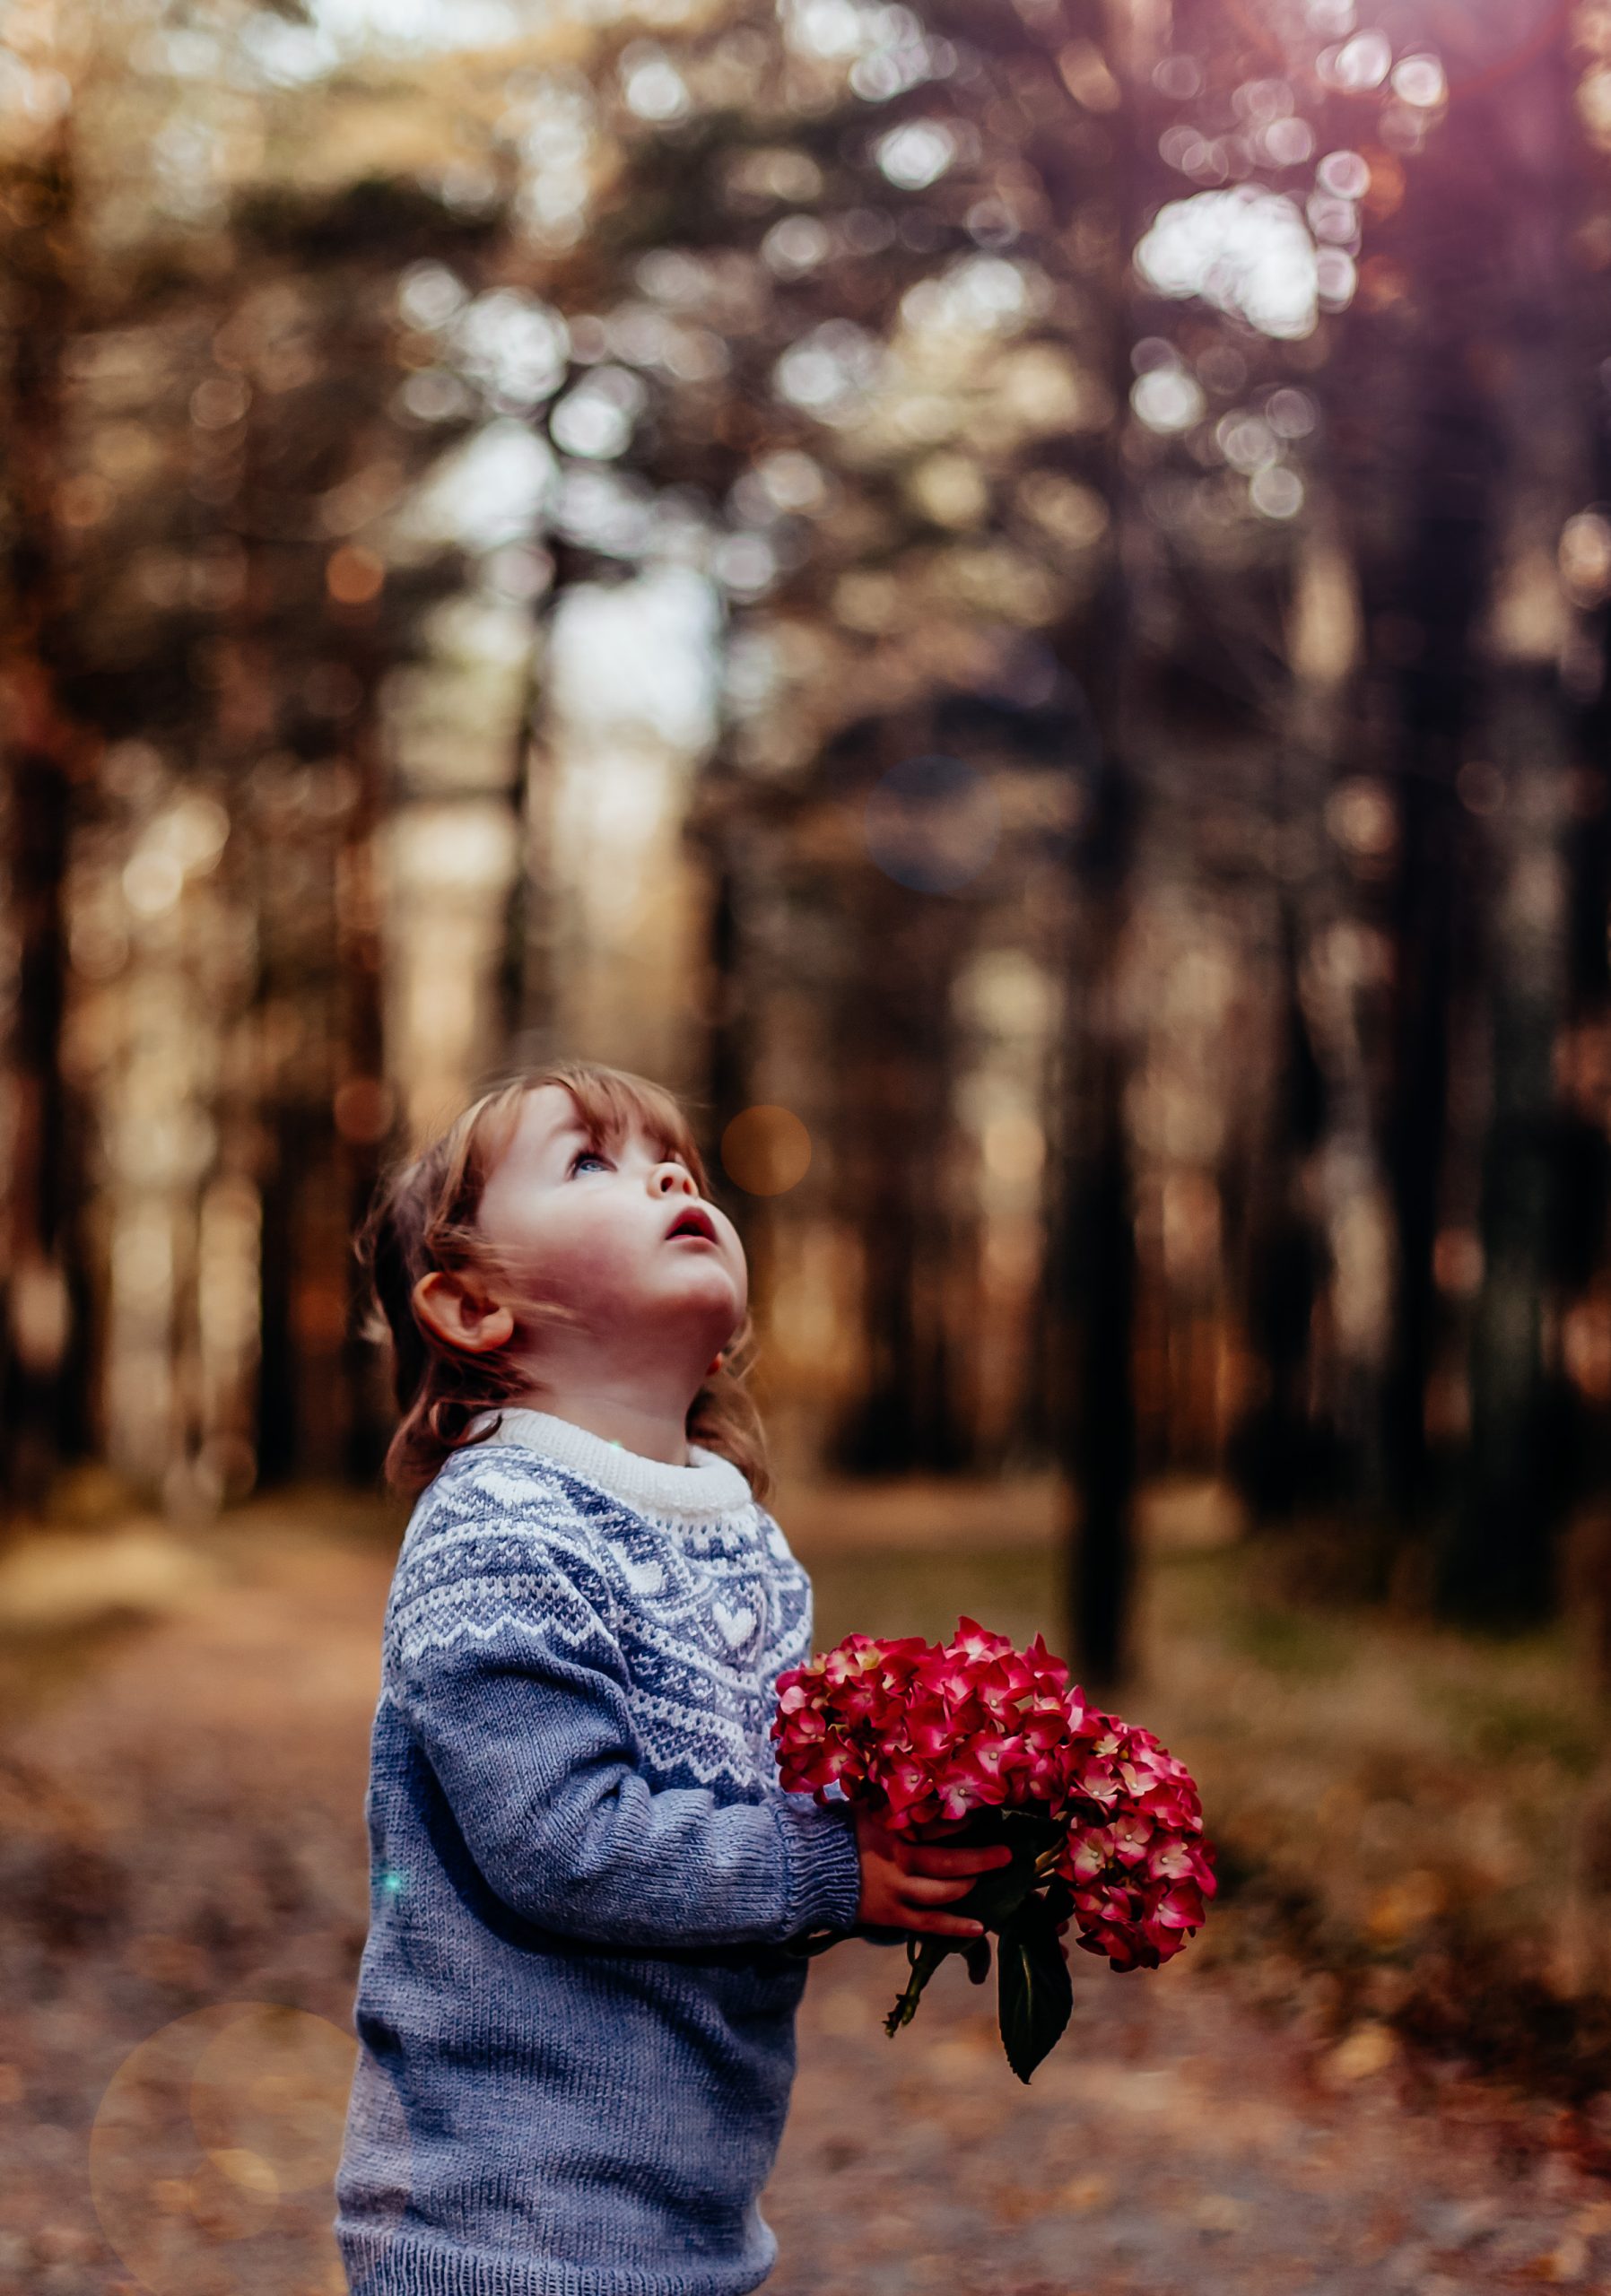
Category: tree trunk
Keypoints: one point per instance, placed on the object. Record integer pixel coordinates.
(44, 1373)
(1275, 1445)
(1091, 1259)
(1100, 1454)
(1498, 1563)
(1453, 446)
(362, 1105)
(898, 1120)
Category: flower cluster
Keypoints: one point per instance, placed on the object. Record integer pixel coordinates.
(923, 1732)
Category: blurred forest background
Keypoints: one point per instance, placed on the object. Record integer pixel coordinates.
(1013, 596)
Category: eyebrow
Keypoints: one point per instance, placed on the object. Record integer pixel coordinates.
(578, 1128)
(575, 1129)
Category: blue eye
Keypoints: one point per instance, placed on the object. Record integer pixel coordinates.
(589, 1156)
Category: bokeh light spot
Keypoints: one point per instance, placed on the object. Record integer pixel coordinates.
(1287, 142)
(1344, 175)
(1276, 493)
(933, 824)
(363, 1109)
(1336, 278)
(766, 1151)
(1290, 413)
(1361, 816)
(220, 402)
(1359, 65)
(917, 153)
(1179, 77)
(1015, 1147)
(354, 576)
(1585, 557)
(1419, 80)
(1168, 399)
(596, 420)
(153, 881)
(651, 84)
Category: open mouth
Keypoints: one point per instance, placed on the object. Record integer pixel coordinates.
(695, 1221)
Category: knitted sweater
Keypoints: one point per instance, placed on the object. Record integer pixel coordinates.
(575, 2013)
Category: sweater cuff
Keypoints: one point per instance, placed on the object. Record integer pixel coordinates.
(821, 1862)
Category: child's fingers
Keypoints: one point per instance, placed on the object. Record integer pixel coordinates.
(959, 1861)
(918, 1889)
(944, 1924)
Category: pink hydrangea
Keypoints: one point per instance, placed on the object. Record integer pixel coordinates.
(925, 1732)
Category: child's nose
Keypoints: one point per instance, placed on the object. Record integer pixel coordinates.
(668, 1179)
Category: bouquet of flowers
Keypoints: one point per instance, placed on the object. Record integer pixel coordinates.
(1104, 1826)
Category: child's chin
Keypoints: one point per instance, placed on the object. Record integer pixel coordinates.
(705, 1288)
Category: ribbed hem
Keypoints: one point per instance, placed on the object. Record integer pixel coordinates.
(710, 1486)
(403, 2268)
(823, 1864)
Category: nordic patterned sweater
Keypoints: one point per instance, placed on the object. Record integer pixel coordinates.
(575, 2013)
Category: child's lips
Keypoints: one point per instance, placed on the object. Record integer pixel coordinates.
(694, 1221)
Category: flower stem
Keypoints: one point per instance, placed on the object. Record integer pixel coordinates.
(924, 1959)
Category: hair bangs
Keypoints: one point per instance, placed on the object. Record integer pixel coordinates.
(612, 1105)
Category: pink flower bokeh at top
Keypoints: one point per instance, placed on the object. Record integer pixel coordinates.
(925, 1732)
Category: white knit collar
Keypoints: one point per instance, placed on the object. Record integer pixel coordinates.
(710, 1486)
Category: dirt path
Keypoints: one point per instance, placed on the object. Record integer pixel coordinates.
(181, 1910)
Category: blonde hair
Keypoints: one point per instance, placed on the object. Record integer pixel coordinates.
(423, 1220)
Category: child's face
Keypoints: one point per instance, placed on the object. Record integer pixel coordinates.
(620, 1237)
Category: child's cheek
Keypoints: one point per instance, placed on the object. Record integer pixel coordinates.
(590, 1264)
(557, 1260)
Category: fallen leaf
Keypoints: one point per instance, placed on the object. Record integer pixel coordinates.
(1369, 2048)
(1083, 2193)
(1567, 2261)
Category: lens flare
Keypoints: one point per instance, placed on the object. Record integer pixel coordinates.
(213, 2153)
(933, 824)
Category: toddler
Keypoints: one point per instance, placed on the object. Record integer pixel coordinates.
(576, 2003)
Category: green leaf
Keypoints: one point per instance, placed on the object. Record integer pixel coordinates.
(1035, 1996)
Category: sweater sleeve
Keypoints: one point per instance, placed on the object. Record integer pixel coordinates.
(515, 1687)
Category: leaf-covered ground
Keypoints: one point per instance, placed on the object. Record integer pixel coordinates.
(182, 1905)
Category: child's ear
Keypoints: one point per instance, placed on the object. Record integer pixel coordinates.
(460, 1315)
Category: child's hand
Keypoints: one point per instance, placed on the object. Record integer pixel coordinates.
(904, 1882)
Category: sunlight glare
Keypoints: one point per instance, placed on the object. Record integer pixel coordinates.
(640, 655)
(421, 23)
(1244, 250)
(487, 491)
